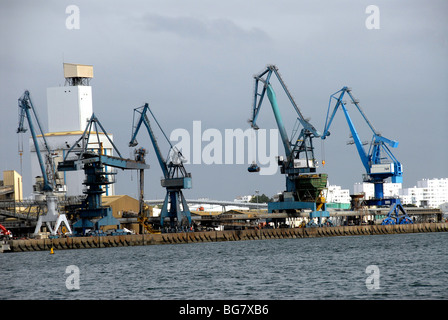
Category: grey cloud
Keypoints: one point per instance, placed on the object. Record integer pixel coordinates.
(192, 27)
(192, 61)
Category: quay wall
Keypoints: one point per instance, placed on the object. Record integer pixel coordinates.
(214, 236)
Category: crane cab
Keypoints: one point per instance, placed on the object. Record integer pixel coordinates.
(253, 168)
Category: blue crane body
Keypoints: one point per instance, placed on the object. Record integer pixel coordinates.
(303, 186)
(377, 169)
(25, 105)
(48, 169)
(175, 177)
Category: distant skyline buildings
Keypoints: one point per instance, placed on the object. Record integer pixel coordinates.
(432, 193)
(427, 193)
(335, 194)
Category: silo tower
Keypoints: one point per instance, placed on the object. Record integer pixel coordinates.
(69, 110)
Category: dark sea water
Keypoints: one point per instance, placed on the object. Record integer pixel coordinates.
(410, 266)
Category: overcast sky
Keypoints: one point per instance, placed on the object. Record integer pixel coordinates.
(194, 60)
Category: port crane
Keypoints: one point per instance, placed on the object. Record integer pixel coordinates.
(175, 177)
(27, 109)
(379, 161)
(91, 158)
(52, 216)
(5, 233)
(304, 187)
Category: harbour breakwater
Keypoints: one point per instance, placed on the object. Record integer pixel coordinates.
(215, 236)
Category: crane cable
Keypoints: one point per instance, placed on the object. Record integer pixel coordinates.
(254, 157)
(322, 151)
(20, 150)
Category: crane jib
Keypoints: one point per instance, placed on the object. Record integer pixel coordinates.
(279, 120)
(175, 177)
(25, 104)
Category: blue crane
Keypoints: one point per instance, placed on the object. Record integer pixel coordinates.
(52, 218)
(47, 167)
(175, 177)
(303, 186)
(379, 161)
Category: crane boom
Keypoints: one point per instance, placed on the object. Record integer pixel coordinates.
(25, 105)
(257, 105)
(143, 119)
(354, 133)
(294, 148)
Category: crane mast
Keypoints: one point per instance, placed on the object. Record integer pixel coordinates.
(304, 188)
(175, 177)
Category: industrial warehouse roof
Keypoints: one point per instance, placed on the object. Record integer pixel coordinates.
(68, 133)
(217, 213)
(205, 213)
(107, 200)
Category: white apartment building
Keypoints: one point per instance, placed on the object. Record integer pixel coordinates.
(390, 190)
(335, 194)
(243, 199)
(367, 188)
(431, 193)
(428, 192)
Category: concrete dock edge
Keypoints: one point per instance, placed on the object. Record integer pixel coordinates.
(67, 243)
